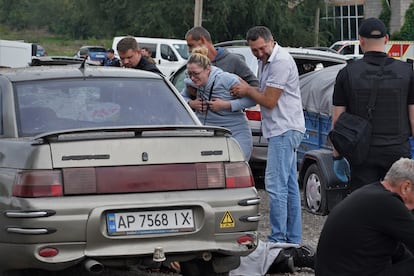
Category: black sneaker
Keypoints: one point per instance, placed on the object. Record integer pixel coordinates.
(283, 263)
(303, 256)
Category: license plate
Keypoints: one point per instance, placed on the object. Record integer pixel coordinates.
(150, 222)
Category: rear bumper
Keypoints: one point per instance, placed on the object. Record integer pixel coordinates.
(80, 228)
(22, 256)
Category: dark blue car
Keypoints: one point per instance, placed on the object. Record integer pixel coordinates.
(95, 53)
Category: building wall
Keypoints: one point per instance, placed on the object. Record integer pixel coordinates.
(372, 8)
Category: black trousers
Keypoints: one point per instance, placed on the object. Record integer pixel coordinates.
(378, 162)
(402, 263)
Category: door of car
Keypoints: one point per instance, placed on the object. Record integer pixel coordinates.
(168, 60)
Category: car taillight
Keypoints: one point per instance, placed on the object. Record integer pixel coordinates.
(210, 175)
(130, 179)
(44, 183)
(253, 115)
(149, 178)
(238, 175)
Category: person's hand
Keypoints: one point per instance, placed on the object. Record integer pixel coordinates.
(341, 169)
(199, 105)
(240, 89)
(217, 104)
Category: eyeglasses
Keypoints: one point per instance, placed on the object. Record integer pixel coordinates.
(193, 74)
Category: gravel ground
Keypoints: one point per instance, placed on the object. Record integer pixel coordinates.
(311, 226)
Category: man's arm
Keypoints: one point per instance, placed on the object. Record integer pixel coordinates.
(337, 110)
(268, 98)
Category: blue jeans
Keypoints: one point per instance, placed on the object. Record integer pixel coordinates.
(283, 189)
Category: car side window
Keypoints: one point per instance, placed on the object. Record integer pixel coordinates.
(150, 46)
(167, 53)
(348, 50)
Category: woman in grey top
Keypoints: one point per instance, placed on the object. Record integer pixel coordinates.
(207, 92)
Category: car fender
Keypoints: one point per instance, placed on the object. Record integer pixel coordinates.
(334, 189)
(323, 159)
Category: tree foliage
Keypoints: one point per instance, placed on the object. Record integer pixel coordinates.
(385, 14)
(225, 19)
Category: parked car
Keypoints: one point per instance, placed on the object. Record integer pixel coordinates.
(95, 53)
(349, 48)
(322, 190)
(108, 167)
(307, 60)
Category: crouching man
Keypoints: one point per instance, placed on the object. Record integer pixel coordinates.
(371, 231)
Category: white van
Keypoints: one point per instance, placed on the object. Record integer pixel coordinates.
(349, 48)
(403, 50)
(16, 54)
(169, 54)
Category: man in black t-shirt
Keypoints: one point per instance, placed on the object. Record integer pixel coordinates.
(368, 233)
(131, 56)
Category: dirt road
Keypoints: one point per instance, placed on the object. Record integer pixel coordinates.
(311, 225)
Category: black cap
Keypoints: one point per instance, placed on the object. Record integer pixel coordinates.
(110, 50)
(372, 28)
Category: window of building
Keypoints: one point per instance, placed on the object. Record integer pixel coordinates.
(346, 20)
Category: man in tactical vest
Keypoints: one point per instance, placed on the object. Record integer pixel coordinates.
(392, 117)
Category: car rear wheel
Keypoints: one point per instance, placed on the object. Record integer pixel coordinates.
(314, 190)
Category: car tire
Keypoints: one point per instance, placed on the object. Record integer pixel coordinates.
(199, 268)
(314, 192)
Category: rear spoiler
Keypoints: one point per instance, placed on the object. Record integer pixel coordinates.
(129, 131)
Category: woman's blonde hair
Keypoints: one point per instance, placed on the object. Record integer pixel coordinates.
(199, 56)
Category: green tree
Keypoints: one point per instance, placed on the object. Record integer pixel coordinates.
(225, 19)
(385, 14)
(15, 13)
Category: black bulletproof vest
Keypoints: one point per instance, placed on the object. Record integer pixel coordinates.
(390, 116)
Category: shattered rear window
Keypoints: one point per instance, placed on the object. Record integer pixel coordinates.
(53, 105)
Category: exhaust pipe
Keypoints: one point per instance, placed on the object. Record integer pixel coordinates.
(93, 266)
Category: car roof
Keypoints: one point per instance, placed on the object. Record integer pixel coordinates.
(92, 47)
(301, 55)
(72, 71)
(308, 52)
(313, 54)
